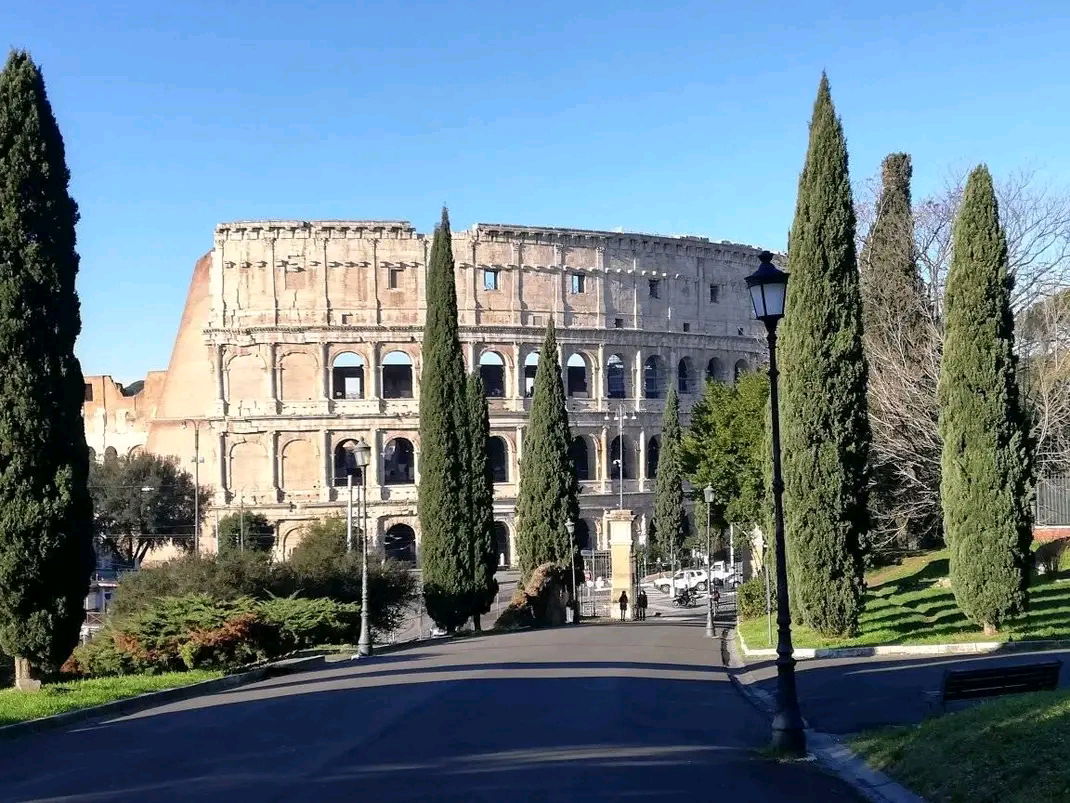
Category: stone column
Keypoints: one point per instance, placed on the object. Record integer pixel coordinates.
(603, 459)
(599, 378)
(637, 385)
(641, 473)
(274, 449)
(221, 393)
(224, 460)
(273, 374)
(620, 556)
(325, 375)
(374, 380)
(327, 464)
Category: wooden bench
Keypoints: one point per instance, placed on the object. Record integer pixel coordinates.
(975, 684)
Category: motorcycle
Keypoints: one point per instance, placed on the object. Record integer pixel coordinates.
(685, 599)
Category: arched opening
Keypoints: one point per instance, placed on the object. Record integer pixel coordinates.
(299, 377)
(341, 452)
(399, 462)
(492, 372)
(92, 455)
(714, 370)
(347, 376)
(531, 365)
(582, 535)
(576, 373)
(397, 375)
(580, 456)
(654, 378)
(501, 544)
(498, 457)
(653, 453)
(617, 461)
(134, 452)
(399, 544)
(616, 378)
(685, 376)
(740, 369)
(110, 454)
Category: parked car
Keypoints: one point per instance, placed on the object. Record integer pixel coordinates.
(685, 578)
(723, 576)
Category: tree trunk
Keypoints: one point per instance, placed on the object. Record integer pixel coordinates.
(24, 676)
(990, 629)
(475, 623)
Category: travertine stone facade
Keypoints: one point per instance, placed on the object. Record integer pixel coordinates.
(299, 336)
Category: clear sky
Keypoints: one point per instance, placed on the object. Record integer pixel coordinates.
(667, 117)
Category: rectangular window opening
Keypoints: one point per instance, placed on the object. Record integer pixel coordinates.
(687, 327)
(618, 323)
(579, 283)
(88, 392)
(394, 278)
(491, 279)
(715, 293)
(655, 288)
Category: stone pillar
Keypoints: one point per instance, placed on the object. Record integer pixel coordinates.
(641, 473)
(638, 386)
(327, 464)
(620, 556)
(603, 459)
(599, 378)
(374, 377)
(325, 375)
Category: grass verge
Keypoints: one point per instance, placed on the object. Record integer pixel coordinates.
(912, 603)
(1006, 750)
(58, 698)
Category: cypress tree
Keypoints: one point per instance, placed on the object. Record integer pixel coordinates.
(824, 419)
(546, 499)
(481, 496)
(443, 503)
(986, 462)
(46, 521)
(670, 521)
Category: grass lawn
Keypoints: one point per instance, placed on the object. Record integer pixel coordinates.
(911, 603)
(56, 698)
(1006, 750)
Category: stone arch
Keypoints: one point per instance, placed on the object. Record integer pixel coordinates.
(348, 376)
(399, 462)
(653, 454)
(616, 377)
(299, 469)
(299, 377)
(531, 365)
(617, 461)
(288, 540)
(581, 454)
(578, 376)
(685, 376)
(492, 372)
(714, 370)
(502, 544)
(135, 451)
(246, 377)
(110, 454)
(654, 377)
(399, 543)
(397, 375)
(739, 369)
(92, 455)
(498, 458)
(338, 460)
(248, 466)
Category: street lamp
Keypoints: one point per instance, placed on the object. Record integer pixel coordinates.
(570, 528)
(619, 462)
(707, 494)
(197, 460)
(768, 290)
(361, 456)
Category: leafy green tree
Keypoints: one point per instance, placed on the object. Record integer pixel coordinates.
(481, 495)
(725, 447)
(141, 502)
(547, 497)
(987, 456)
(447, 555)
(670, 517)
(826, 432)
(246, 532)
(46, 550)
(899, 340)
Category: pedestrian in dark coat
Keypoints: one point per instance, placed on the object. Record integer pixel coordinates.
(640, 605)
(623, 600)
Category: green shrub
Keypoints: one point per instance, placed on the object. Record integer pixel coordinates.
(750, 597)
(308, 622)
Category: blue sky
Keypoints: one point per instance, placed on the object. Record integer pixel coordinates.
(685, 117)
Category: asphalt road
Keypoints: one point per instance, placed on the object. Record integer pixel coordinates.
(586, 713)
(845, 695)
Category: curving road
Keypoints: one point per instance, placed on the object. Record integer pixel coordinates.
(587, 713)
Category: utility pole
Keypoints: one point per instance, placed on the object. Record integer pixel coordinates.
(241, 523)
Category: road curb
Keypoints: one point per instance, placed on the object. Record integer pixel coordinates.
(963, 648)
(130, 705)
(833, 755)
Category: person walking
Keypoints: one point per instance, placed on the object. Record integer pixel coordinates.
(640, 604)
(623, 600)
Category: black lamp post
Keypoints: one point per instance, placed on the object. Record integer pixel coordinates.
(707, 494)
(361, 458)
(570, 528)
(768, 289)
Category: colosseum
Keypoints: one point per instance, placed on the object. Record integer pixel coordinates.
(298, 337)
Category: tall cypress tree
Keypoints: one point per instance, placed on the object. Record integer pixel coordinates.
(46, 521)
(823, 399)
(546, 500)
(986, 462)
(443, 504)
(481, 499)
(670, 520)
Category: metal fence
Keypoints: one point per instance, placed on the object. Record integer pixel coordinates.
(1053, 501)
(598, 583)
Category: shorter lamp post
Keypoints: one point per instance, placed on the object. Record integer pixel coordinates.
(707, 494)
(570, 528)
(768, 289)
(361, 458)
